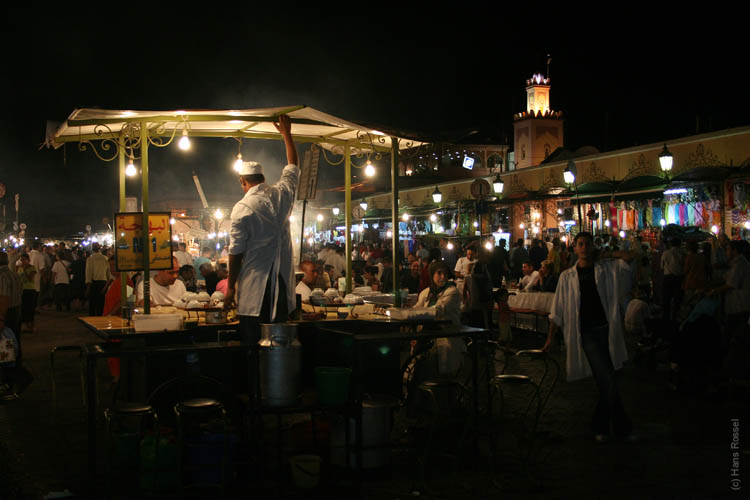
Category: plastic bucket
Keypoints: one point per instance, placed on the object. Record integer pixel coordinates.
(305, 470)
(332, 383)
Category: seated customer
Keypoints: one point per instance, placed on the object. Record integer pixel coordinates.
(165, 288)
(548, 278)
(442, 296)
(306, 285)
(187, 276)
(370, 277)
(211, 277)
(530, 278)
(410, 279)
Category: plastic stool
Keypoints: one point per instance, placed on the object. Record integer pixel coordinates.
(201, 410)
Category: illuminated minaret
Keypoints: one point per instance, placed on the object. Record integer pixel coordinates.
(538, 131)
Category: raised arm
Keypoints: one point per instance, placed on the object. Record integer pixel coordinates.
(284, 126)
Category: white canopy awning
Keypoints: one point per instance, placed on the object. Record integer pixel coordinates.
(309, 125)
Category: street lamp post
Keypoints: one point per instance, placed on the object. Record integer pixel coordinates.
(569, 175)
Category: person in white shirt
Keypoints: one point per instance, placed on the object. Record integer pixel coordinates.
(531, 279)
(260, 249)
(305, 286)
(61, 279)
(165, 289)
(183, 256)
(462, 266)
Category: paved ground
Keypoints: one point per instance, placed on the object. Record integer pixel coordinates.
(683, 451)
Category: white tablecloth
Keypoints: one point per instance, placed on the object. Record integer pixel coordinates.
(537, 301)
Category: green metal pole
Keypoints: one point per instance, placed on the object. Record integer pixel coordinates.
(121, 159)
(394, 219)
(145, 231)
(348, 215)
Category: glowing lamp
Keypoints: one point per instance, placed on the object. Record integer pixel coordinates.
(715, 229)
(747, 224)
(130, 170)
(662, 223)
(238, 164)
(184, 143)
(389, 234)
(521, 225)
(488, 245)
(363, 204)
(336, 210)
(666, 159)
(437, 195)
(433, 218)
(219, 214)
(449, 246)
(622, 234)
(497, 184)
(607, 223)
(172, 221)
(405, 217)
(320, 217)
(369, 170)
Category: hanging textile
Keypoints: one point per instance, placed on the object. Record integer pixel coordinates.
(699, 221)
(691, 214)
(656, 215)
(630, 219)
(683, 214)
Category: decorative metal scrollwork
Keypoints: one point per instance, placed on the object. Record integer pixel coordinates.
(159, 141)
(642, 166)
(107, 143)
(592, 173)
(701, 158)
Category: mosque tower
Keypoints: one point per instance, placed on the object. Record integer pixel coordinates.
(538, 131)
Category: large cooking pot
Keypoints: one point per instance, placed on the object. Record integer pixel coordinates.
(280, 364)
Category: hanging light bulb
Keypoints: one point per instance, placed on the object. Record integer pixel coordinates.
(521, 225)
(238, 163)
(662, 223)
(488, 245)
(449, 246)
(320, 217)
(363, 204)
(130, 170)
(622, 234)
(437, 195)
(747, 224)
(433, 218)
(405, 217)
(369, 169)
(336, 210)
(715, 229)
(389, 234)
(184, 143)
(476, 224)
(172, 221)
(218, 214)
(607, 223)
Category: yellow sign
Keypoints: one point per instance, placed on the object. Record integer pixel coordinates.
(130, 241)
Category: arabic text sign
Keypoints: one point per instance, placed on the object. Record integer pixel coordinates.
(130, 241)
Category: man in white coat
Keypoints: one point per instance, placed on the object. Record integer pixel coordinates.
(260, 247)
(593, 286)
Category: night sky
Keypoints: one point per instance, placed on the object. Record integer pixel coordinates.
(619, 82)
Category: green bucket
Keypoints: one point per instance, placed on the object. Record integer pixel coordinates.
(332, 383)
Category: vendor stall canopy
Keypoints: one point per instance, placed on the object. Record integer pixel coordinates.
(309, 125)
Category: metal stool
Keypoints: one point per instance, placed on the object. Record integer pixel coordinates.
(520, 410)
(201, 411)
(53, 383)
(126, 423)
(444, 411)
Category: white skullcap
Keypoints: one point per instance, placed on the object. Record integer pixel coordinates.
(250, 168)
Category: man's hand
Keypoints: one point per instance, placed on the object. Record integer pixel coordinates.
(553, 329)
(284, 126)
(229, 299)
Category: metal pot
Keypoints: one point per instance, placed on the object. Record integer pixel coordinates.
(377, 423)
(280, 364)
(216, 317)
